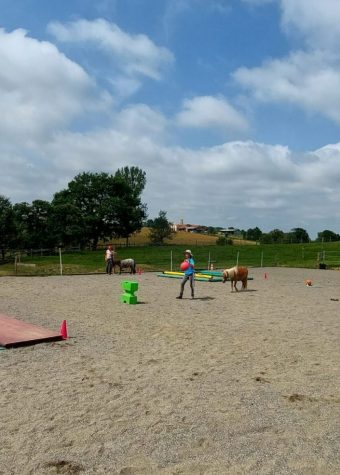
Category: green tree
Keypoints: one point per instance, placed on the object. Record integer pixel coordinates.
(298, 235)
(274, 236)
(148, 223)
(20, 215)
(7, 226)
(107, 205)
(160, 229)
(328, 236)
(129, 215)
(66, 225)
(31, 222)
(134, 177)
(254, 234)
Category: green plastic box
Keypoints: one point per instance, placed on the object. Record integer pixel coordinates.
(129, 289)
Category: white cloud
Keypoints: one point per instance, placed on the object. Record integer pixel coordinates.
(140, 120)
(42, 91)
(325, 169)
(124, 86)
(135, 55)
(318, 21)
(258, 184)
(307, 80)
(211, 112)
(40, 88)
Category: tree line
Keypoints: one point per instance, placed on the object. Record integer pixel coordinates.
(92, 207)
(295, 235)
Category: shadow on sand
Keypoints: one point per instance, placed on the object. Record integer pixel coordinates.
(205, 299)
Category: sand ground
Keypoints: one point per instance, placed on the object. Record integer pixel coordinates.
(235, 384)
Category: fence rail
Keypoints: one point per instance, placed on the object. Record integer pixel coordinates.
(330, 258)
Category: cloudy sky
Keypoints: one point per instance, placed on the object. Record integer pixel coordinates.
(232, 107)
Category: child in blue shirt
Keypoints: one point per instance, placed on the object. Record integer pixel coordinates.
(189, 275)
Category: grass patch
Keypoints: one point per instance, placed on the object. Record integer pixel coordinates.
(158, 258)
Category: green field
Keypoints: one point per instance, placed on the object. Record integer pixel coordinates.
(159, 258)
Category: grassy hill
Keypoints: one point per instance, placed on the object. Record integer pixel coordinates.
(181, 238)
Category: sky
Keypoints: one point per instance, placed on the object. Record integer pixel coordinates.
(232, 107)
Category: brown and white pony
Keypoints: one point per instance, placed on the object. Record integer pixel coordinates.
(236, 274)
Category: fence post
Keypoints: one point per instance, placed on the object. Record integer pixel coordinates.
(262, 259)
(209, 261)
(171, 261)
(60, 262)
(237, 258)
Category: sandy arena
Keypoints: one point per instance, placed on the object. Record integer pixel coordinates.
(235, 384)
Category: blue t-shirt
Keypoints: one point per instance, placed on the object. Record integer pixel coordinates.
(191, 269)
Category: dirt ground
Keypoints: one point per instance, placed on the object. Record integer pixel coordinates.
(242, 383)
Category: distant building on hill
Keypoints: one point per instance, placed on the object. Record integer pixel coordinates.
(189, 228)
(230, 232)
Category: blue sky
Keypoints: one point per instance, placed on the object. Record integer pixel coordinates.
(231, 106)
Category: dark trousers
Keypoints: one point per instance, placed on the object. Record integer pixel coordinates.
(109, 266)
(191, 279)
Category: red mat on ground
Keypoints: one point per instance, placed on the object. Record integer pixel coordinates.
(16, 332)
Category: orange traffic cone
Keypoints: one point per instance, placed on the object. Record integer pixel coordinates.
(63, 330)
